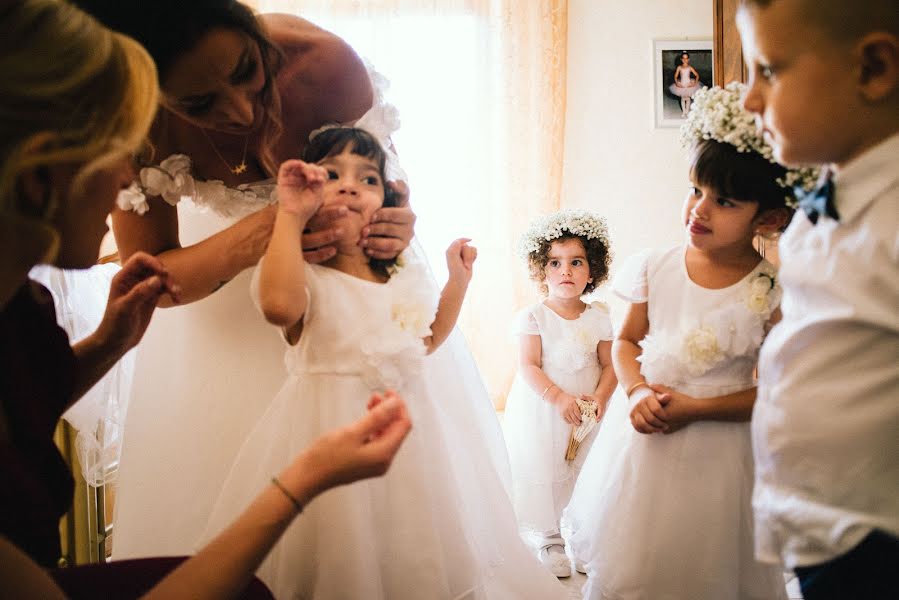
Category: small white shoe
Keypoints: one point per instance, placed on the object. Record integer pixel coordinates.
(554, 558)
(580, 567)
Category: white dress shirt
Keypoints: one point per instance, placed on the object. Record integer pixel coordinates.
(825, 428)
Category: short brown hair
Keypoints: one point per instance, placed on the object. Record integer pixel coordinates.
(844, 20)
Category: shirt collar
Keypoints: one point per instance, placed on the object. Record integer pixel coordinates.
(866, 177)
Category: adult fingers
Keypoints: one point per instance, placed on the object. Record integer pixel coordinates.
(319, 255)
(383, 247)
(400, 193)
(397, 215)
(317, 239)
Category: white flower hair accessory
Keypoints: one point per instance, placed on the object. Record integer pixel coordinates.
(718, 114)
(553, 226)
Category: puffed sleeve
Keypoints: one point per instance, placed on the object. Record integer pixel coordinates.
(525, 323)
(630, 282)
(604, 329)
(256, 296)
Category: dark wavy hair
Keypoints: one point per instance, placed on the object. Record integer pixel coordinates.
(599, 258)
(335, 140)
(170, 28)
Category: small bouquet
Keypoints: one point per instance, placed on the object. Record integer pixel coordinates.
(578, 433)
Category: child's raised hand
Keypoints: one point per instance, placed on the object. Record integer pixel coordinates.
(648, 412)
(568, 409)
(460, 259)
(300, 186)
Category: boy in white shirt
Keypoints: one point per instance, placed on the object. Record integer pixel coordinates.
(824, 82)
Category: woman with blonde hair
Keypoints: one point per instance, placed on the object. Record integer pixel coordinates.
(76, 102)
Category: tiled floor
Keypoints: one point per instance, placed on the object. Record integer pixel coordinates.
(574, 584)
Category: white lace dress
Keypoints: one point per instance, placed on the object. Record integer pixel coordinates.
(537, 437)
(206, 371)
(439, 524)
(665, 517)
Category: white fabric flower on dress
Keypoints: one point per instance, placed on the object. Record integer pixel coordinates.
(131, 198)
(574, 353)
(759, 289)
(701, 350)
(394, 350)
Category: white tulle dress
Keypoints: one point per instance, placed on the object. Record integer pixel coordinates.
(205, 373)
(537, 437)
(687, 87)
(665, 517)
(439, 524)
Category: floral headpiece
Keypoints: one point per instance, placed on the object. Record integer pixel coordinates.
(553, 226)
(718, 114)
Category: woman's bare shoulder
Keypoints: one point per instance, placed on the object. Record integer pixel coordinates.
(321, 74)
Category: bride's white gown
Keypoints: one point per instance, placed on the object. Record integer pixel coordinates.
(205, 374)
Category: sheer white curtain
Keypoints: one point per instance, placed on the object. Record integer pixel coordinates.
(480, 85)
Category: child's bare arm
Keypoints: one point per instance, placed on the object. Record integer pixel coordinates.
(460, 259)
(282, 281)
(530, 361)
(647, 413)
(607, 379)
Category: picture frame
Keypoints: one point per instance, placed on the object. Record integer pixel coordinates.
(670, 99)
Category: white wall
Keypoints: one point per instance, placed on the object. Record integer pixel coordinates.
(616, 162)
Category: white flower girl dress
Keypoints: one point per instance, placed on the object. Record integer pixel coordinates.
(439, 524)
(658, 516)
(205, 373)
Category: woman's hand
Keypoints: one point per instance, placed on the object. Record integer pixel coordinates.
(361, 450)
(460, 259)
(133, 294)
(391, 229)
(648, 414)
(566, 405)
(300, 187)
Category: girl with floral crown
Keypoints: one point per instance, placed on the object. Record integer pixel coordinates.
(565, 375)
(663, 508)
(355, 324)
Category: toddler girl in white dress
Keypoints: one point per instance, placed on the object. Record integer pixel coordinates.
(564, 357)
(439, 524)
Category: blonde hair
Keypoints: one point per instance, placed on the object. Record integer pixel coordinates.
(90, 92)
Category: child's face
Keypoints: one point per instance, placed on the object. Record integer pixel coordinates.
(716, 223)
(355, 182)
(800, 84)
(567, 272)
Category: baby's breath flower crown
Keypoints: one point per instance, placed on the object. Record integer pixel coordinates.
(567, 221)
(718, 114)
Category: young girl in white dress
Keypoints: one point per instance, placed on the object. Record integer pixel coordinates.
(662, 509)
(439, 525)
(565, 350)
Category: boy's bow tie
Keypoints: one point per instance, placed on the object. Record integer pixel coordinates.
(819, 201)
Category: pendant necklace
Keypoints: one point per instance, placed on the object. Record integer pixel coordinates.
(242, 166)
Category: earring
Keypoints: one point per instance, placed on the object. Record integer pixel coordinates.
(760, 244)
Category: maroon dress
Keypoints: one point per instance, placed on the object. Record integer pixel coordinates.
(37, 380)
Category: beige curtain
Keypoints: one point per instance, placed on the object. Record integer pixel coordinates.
(480, 85)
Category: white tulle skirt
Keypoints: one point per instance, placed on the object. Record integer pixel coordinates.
(437, 525)
(668, 517)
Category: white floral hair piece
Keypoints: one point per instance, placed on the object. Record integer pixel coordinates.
(564, 222)
(718, 114)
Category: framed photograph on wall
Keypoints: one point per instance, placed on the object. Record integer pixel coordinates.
(681, 68)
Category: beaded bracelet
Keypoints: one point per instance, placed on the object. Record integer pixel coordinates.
(290, 496)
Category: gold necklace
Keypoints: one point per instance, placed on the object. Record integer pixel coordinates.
(236, 170)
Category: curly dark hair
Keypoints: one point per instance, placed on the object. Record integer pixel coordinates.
(599, 258)
(335, 140)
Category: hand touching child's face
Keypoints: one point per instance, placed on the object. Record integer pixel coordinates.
(355, 182)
